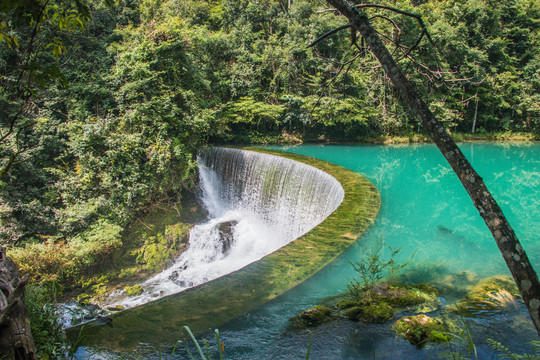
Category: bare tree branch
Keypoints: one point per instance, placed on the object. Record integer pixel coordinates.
(418, 18)
(329, 33)
(393, 24)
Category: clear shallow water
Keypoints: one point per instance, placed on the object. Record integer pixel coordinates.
(423, 207)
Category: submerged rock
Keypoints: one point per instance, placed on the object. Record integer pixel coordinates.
(420, 329)
(313, 316)
(457, 284)
(382, 302)
(115, 308)
(491, 294)
(422, 273)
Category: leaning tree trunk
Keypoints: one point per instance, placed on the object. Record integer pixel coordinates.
(507, 241)
(16, 341)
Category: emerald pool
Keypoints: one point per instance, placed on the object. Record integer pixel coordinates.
(424, 209)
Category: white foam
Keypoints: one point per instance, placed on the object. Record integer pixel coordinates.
(262, 201)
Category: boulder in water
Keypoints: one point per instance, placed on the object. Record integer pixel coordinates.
(420, 329)
(492, 294)
(226, 235)
(134, 290)
(311, 317)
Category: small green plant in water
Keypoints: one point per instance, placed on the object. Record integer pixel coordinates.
(204, 355)
(505, 353)
(373, 267)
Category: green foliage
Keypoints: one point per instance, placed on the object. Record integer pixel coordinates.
(134, 290)
(48, 336)
(204, 355)
(505, 353)
(373, 267)
(104, 105)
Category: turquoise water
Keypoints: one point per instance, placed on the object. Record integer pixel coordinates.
(424, 208)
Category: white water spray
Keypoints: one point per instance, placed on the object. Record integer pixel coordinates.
(257, 203)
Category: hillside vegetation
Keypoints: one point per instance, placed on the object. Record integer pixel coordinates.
(104, 105)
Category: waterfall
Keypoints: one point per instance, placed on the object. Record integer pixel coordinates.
(257, 203)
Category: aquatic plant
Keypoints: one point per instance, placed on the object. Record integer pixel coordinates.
(204, 355)
(505, 353)
(373, 267)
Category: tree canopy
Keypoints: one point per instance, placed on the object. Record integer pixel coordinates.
(104, 104)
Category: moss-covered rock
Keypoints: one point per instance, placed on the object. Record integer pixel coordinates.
(353, 313)
(115, 308)
(377, 313)
(134, 290)
(83, 299)
(347, 303)
(491, 294)
(399, 296)
(420, 329)
(158, 237)
(383, 301)
(313, 316)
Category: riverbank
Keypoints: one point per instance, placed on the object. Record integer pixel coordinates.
(148, 245)
(151, 243)
(286, 138)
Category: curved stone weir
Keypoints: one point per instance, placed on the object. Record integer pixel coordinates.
(289, 198)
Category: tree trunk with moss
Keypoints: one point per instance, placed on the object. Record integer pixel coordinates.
(16, 341)
(507, 241)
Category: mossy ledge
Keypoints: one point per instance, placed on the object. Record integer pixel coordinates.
(211, 304)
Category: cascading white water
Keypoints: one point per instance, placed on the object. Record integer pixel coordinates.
(257, 203)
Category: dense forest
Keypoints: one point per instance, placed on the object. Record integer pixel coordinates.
(104, 104)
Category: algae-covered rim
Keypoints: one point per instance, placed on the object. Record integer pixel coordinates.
(211, 304)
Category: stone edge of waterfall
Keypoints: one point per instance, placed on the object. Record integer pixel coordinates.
(279, 189)
(211, 304)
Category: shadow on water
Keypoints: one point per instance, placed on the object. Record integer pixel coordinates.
(447, 235)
